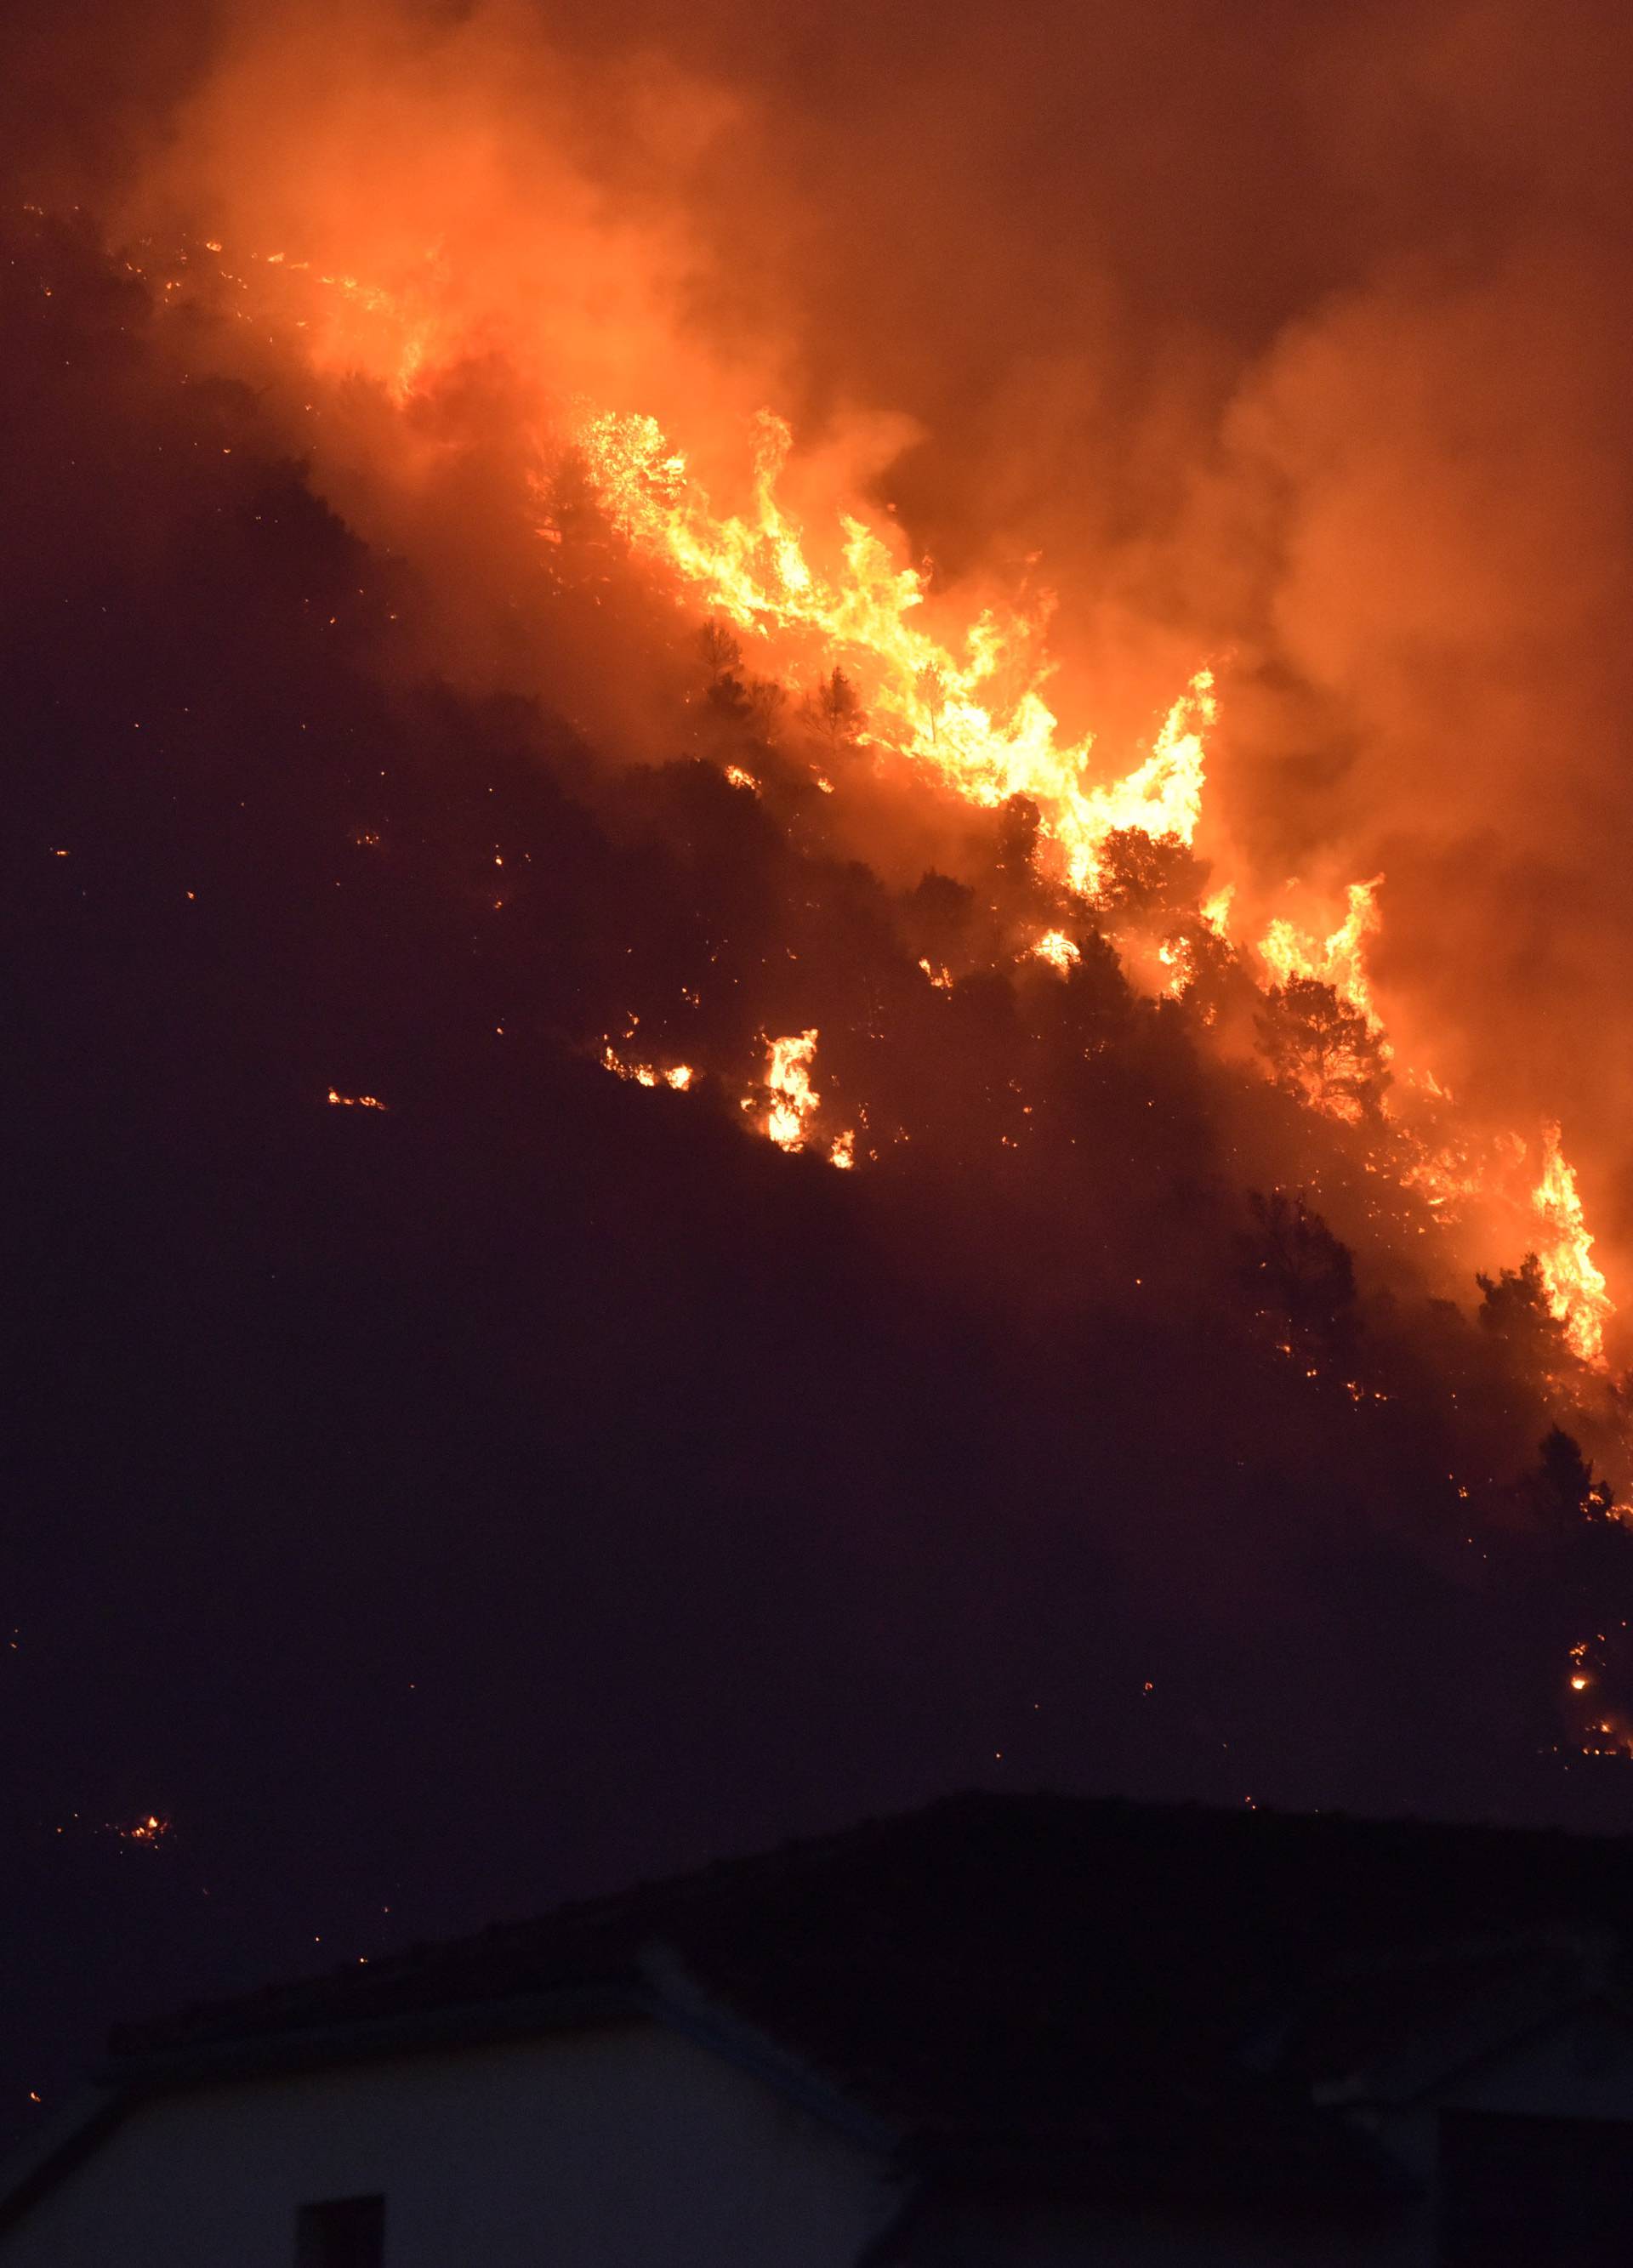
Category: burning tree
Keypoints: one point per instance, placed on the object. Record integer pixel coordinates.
(727, 696)
(1142, 873)
(766, 701)
(1324, 1049)
(836, 710)
(721, 650)
(931, 688)
(1515, 1308)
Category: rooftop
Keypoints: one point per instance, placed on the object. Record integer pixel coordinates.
(1125, 1992)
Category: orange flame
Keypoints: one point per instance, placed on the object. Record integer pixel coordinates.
(966, 707)
(679, 1076)
(1338, 960)
(941, 708)
(1175, 955)
(1575, 1286)
(1216, 910)
(793, 1099)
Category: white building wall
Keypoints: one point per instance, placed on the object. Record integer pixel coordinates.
(620, 2148)
(626, 2146)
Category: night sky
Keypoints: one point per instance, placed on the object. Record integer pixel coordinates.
(442, 1476)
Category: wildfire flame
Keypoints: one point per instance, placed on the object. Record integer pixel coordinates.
(966, 706)
(1175, 955)
(793, 1099)
(945, 709)
(1216, 910)
(679, 1076)
(1338, 960)
(1575, 1286)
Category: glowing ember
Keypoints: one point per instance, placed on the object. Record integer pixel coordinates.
(1576, 1287)
(150, 1830)
(1446, 1179)
(355, 1101)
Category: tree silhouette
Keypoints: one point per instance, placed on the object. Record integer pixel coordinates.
(766, 700)
(1322, 1047)
(722, 649)
(1514, 1307)
(931, 688)
(1019, 819)
(1292, 1266)
(728, 700)
(938, 915)
(574, 514)
(1145, 874)
(1571, 1596)
(1563, 1487)
(836, 710)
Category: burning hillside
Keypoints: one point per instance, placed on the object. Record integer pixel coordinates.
(824, 659)
(811, 996)
(1061, 1008)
